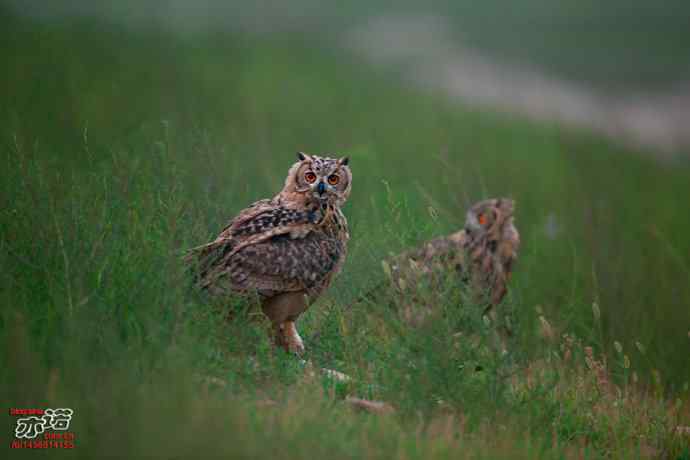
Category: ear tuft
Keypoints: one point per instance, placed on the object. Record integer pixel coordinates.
(344, 161)
(301, 156)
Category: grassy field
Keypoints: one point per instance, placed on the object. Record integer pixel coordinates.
(120, 150)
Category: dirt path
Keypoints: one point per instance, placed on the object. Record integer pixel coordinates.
(424, 51)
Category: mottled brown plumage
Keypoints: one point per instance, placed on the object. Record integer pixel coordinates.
(481, 254)
(286, 249)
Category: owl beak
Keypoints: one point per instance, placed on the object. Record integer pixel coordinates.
(321, 188)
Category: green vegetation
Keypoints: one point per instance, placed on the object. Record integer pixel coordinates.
(614, 45)
(121, 149)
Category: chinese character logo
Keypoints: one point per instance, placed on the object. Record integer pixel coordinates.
(52, 419)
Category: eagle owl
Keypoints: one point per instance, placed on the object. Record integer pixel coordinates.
(286, 250)
(482, 253)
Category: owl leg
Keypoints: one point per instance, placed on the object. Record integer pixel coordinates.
(291, 336)
(282, 310)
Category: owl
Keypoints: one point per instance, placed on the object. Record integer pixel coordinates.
(491, 246)
(284, 251)
(482, 255)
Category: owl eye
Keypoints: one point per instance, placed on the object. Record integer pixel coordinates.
(333, 179)
(482, 219)
(310, 177)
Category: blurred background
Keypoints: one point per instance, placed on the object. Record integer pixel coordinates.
(131, 130)
(620, 69)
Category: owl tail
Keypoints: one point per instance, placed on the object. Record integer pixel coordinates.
(202, 261)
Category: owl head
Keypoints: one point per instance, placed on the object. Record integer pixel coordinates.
(490, 219)
(325, 180)
(492, 242)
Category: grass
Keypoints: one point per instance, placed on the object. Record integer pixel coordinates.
(120, 150)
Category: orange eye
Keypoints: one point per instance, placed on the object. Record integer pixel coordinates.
(482, 219)
(333, 179)
(310, 177)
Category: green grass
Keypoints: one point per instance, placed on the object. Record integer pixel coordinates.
(119, 150)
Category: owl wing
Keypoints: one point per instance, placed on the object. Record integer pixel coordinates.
(246, 216)
(260, 221)
(268, 216)
(250, 244)
(281, 263)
